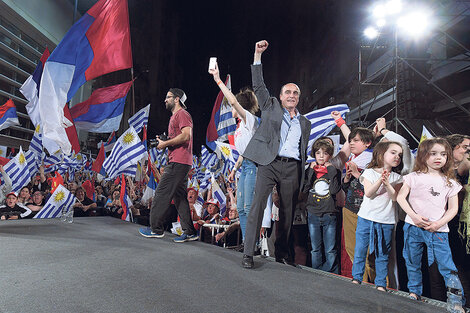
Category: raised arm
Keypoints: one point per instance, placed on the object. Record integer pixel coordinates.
(227, 93)
(259, 87)
(345, 151)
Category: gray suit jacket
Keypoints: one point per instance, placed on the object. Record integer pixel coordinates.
(264, 145)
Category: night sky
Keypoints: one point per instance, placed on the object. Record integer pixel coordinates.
(173, 41)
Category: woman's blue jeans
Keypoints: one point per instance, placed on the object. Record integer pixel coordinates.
(245, 191)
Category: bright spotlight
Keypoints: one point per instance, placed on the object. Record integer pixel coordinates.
(371, 32)
(393, 7)
(379, 11)
(381, 22)
(415, 23)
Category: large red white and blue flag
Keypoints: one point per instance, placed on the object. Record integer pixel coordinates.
(97, 44)
(8, 115)
(30, 89)
(222, 123)
(102, 112)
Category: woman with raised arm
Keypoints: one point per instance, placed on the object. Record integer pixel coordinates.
(244, 106)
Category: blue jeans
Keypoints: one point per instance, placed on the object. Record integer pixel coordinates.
(323, 231)
(438, 250)
(376, 237)
(245, 191)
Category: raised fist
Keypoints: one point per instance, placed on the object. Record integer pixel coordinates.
(336, 115)
(261, 46)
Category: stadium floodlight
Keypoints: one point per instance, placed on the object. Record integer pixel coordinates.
(379, 11)
(371, 32)
(393, 7)
(415, 23)
(381, 22)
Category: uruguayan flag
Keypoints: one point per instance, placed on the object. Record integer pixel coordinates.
(322, 122)
(60, 201)
(18, 169)
(126, 152)
(36, 143)
(208, 160)
(218, 195)
(140, 119)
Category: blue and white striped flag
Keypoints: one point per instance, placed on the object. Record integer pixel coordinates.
(18, 169)
(126, 152)
(130, 171)
(36, 143)
(208, 159)
(218, 195)
(60, 202)
(322, 122)
(140, 119)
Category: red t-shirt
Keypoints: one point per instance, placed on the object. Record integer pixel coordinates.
(182, 153)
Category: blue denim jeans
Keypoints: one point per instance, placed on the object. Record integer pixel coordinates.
(245, 191)
(323, 232)
(438, 250)
(376, 237)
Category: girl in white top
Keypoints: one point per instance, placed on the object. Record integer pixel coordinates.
(377, 214)
(429, 197)
(244, 106)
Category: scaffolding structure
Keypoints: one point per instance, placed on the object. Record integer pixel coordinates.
(418, 83)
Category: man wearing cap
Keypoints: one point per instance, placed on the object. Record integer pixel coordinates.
(12, 210)
(175, 177)
(279, 147)
(5, 188)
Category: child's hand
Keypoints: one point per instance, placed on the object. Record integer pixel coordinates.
(313, 164)
(433, 227)
(354, 170)
(327, 164)
(420, 221)
(385, 176)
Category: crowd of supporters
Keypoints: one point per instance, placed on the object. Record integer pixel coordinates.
(346, 220)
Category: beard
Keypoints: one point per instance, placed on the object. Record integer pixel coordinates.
(170, 105)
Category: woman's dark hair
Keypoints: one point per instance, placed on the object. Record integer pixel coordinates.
(247, 99)
(456, 139)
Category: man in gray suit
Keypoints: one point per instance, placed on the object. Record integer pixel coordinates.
(279, 147)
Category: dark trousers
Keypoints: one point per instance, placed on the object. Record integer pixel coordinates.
(284, 175)
(173, 185)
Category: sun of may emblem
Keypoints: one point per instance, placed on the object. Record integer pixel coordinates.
(128, 138)
(38, 127)
(225, 151)
(21, 159)
(59, 196)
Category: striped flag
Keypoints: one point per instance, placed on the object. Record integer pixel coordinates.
(126, 202)
(18, 170)
(322, 122)
(8, 115)
(126, 152)
(218, 195)
(59, 203)
(208, 159)
(222, 122)
(140, 119)
(36, 143)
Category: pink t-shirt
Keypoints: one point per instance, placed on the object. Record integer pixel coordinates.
(182, 153)
(428, 196)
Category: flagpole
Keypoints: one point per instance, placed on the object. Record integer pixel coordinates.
(133, 92)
